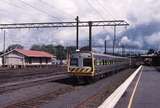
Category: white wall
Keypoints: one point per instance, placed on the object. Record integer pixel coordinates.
(0, 61)
(14, 59)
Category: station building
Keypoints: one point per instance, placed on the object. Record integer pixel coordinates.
(27, 57)
(0, 61)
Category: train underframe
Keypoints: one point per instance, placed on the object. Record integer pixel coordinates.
(98, 73)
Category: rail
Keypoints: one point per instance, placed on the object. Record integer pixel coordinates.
(18, 84)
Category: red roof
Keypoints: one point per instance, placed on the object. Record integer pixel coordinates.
(32, 53)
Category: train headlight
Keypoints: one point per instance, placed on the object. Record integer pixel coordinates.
(77, 50)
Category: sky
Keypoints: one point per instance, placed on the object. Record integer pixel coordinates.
(142, 15)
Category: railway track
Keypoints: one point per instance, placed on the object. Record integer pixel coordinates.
(30, 82)
(10, 75)
(74, 96)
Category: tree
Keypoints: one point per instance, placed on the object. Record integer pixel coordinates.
(36, 47)
(85, 48)
(61, 52)
(47, 48)
(151, 51)
(14, 46)
(71, 49)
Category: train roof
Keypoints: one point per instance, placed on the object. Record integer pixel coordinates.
(102, 55)
(107, 55)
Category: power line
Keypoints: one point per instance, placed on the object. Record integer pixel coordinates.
(54, 7)
(95, 9)
(40, 10)
(9, 3)
(114, 39)
(17, 6)
(104, 8)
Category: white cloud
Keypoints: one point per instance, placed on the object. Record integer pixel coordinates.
(131, 43)
(153, 39)
(144, 10)
(125, 40)
(135, 11)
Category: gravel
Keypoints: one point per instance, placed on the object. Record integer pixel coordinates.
(66, 94)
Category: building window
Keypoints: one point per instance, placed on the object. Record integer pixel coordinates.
(30, 60)
(46, 60)
(40, 59)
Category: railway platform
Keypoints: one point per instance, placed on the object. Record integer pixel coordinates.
(144, 91)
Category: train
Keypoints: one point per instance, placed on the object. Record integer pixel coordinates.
(88, 64)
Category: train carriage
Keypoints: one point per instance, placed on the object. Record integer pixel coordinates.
(90, 64)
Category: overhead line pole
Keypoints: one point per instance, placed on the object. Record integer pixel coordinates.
(63, 24)
(4, 41)
(90, 35)
(4, 44)
(114, 40)
(76, 24)
(77, 33)
(105, 47)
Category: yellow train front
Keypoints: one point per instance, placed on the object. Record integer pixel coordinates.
(81, 64)
(90, 64)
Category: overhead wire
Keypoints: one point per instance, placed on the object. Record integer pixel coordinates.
(95, 9)
(40, 10)
(9, 3)
(43, 2)
(12, 4)
(105, 9)
(17, 6)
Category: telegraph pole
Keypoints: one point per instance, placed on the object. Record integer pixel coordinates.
(77, 33)
(114, 40)
(105, 47)
(4, 41)
(4, 44)
(123, 50)
(90, 35)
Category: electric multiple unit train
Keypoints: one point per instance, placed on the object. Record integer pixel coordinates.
(90, 64)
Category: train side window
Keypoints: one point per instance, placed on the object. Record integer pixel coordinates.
(105, 62)
(102, 62)
(109, 62)
(87, 62)
(97, 62)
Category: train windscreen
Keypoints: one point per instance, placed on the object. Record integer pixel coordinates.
(87, 62)
(74, 62)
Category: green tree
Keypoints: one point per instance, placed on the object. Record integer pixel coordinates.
(14, 46)
(71, 49)
(61, 52)
(151, 51)
(85, 48)
(47, 48)
(36, 47)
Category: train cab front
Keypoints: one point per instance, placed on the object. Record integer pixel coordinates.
(81, 64)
